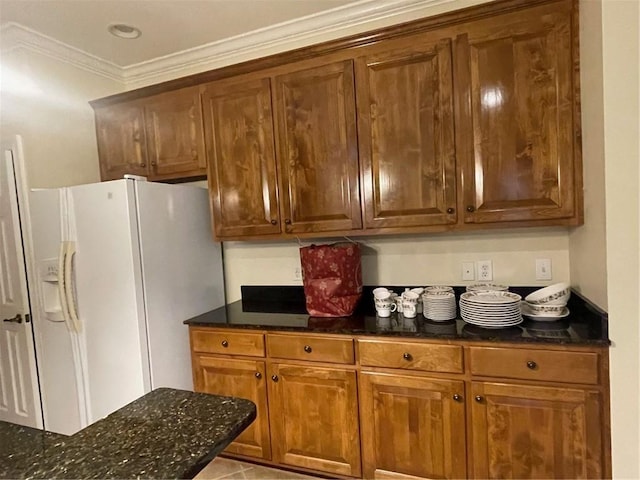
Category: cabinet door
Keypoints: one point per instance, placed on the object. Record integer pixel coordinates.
(175, 142)
(242, 165)
(317, 149)
(314, 418)
(516, 125)
(243, 379)
(406, 135)
(536, 432)
(412, 427)
(121, 141)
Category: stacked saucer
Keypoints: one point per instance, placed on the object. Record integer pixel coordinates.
(491, 309)
(487, 287)
(439, 303)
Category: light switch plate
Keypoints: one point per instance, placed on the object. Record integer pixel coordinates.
(543, 269)
(468, 271)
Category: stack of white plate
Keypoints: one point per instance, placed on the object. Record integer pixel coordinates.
(438, 304)
(492, 309)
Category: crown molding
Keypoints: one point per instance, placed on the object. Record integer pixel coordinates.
(16, 36)
(328, 25)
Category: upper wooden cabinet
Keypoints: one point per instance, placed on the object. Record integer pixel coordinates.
(406, 133)
(462, 121)
(121, 140)
(159, 137)
(317, 149)
(516, 127)
(175, 143)
(242, 167)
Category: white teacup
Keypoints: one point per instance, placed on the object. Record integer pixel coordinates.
(384, 308)
(409, 309)
(381, 294)
(398, 300)
(379, 290)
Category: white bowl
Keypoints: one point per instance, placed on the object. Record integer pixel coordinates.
(557, 294)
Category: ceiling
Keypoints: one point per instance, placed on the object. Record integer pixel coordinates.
(168, 26)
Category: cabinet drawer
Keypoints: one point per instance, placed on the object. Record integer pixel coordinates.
(411, 356)
(529, 364)
(309, 347)
(227, 342)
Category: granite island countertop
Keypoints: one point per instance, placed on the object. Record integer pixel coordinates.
(266, 308)
(166, 433)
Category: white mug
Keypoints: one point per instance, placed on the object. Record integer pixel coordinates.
(385, 309)
(409, 308)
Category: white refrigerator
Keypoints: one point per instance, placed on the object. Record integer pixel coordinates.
(121, 265)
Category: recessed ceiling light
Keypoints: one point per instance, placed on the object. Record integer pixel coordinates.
(123, 30)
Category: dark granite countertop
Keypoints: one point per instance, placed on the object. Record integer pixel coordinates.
(165, 434)
(283, 309)
(19, 444)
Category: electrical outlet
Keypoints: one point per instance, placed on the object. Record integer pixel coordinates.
(468, 272)
(485, 270)
(543, 269)
(297, 274)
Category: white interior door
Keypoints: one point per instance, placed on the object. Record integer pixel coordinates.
(19, 395)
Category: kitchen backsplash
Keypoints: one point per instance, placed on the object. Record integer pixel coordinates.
(409, 260)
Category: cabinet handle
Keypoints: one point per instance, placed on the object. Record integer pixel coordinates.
(258, 375)
(287, 221)
(470, 208)
(225, 344)
(153, 164)
(143, 165)
(274, 222)
(194, 154)
(274, 378)
(457, 397)
(407, 356)
(307, 348)
(451, 210)
(479, 399)
(532, 365)
(136, 137)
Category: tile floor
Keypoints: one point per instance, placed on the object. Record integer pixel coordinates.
(227, 469)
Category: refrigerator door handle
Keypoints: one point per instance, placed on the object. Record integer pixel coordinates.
(70, 252)
(61, 286)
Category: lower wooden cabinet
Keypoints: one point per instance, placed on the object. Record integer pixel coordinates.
(412, 427)
(523, 431)
(408, 408)
(314, 418)
(238, 378)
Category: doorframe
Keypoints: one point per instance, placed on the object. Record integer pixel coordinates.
(15, 145)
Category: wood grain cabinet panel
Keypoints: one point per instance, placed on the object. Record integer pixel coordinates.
(313, 348)
(406, 134)
(226, 342)
(524, 431)
(314, 418)
(239, 138)
(122, 145)
(412, 427)
(516, 124)
(429, 357)
(317, 149)
(175, 140)
(243, 379)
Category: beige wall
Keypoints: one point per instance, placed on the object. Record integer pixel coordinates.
(621, 62)
(53, 117)
(587, 244)
(409, 260)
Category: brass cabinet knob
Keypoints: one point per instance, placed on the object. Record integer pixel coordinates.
(274, 222)
(307, 348)
(407, 356)
(153, 164)
(225, 344)
(471, 208)
(451, 210)
(143, 165)
(479, 399)
(258, 375)
(532, 365)
(287, 221)
(457, 398)
(274, 378)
